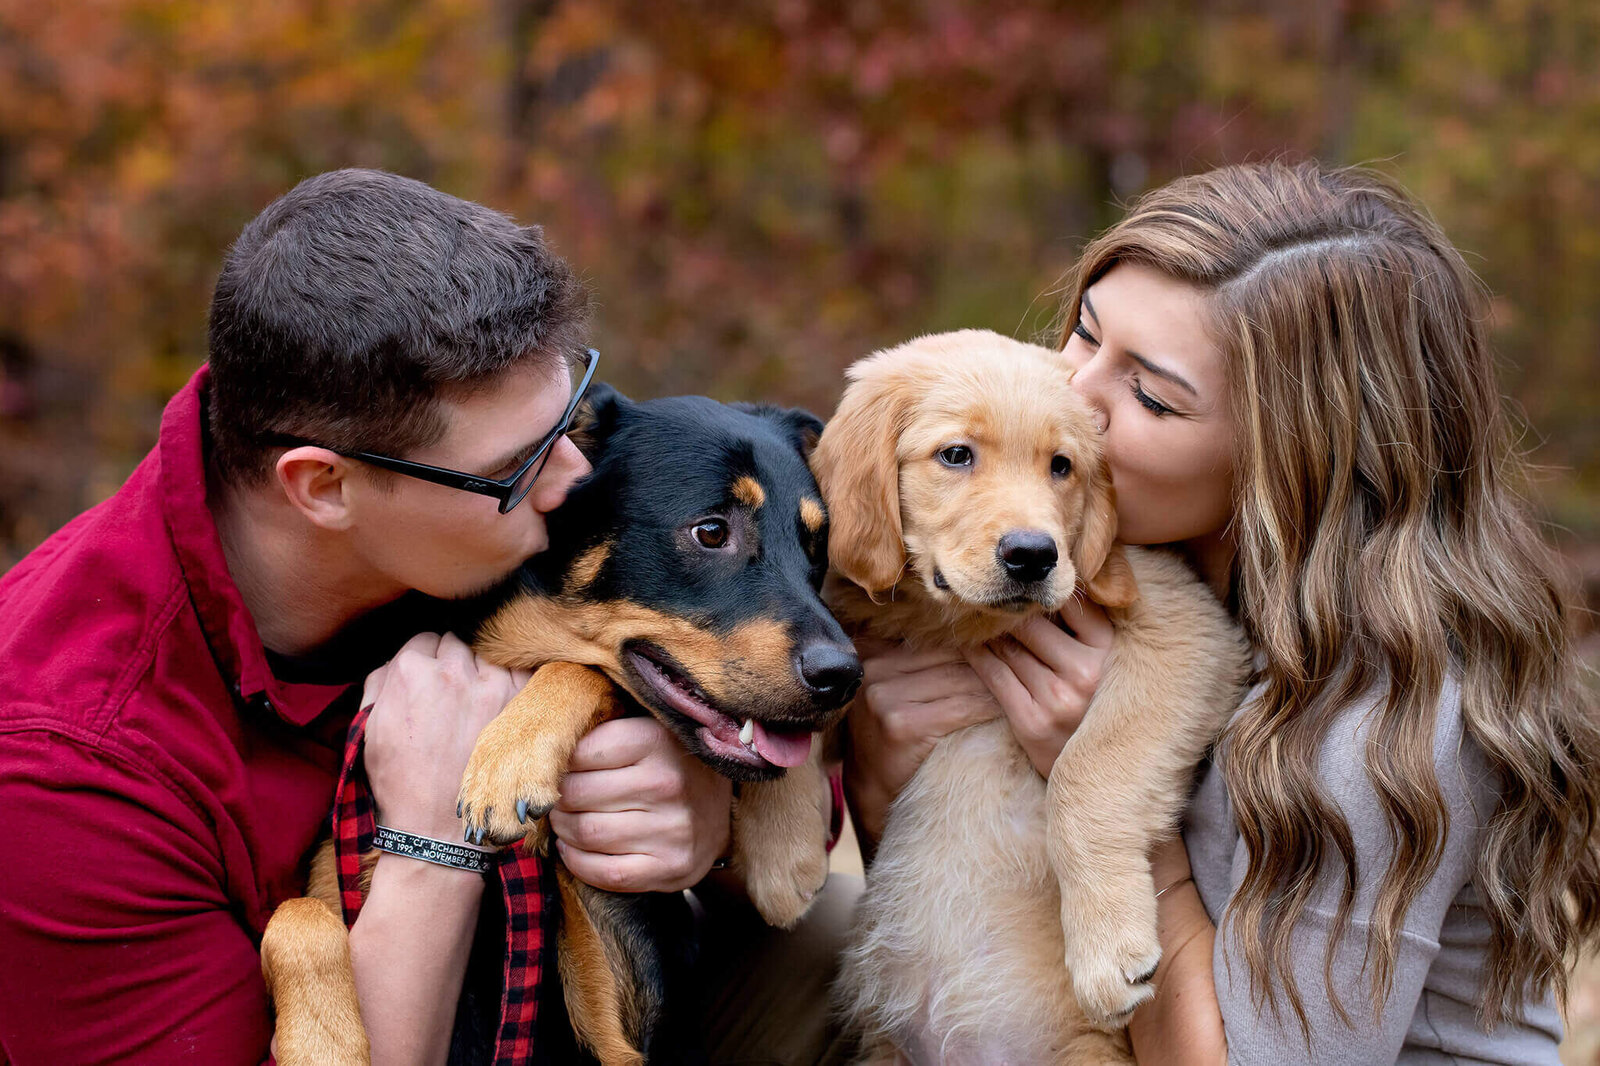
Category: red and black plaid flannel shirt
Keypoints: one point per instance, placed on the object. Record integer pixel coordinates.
(526, 883)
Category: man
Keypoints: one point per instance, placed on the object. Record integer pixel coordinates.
(178, 665)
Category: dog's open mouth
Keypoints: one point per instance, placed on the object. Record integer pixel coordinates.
(748, 742)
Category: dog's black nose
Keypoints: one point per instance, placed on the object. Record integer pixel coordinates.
(1028, 554)
(831, 672)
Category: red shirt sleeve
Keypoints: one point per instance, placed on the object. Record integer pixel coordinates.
(116, 939)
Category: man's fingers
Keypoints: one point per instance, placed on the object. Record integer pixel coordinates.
(617, 743)
(602, 833)
(609, 791)
(373, 687)
(453, 649)
(614, 873)
(1087, 621)
(423, 643)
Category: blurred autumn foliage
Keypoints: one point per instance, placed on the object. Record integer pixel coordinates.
(758, 192)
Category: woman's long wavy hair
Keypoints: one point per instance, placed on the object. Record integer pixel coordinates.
(1381, 540)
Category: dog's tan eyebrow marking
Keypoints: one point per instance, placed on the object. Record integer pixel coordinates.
(587, 566)
(811, 514)
(747, 490)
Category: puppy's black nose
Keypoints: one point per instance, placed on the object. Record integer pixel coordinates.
(831, 672)
(1027, 554)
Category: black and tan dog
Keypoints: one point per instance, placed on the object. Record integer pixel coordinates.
(682, 579)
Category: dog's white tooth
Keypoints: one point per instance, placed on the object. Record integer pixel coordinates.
(747, 732)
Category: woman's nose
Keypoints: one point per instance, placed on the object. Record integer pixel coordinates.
(1088, 381)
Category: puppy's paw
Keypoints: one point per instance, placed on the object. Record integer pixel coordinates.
(782, 887)
(512, 781)
(1112, 963)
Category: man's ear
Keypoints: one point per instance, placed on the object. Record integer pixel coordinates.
(800, 425)
(596, 418)
(315, 482)
(857, 467)
(1102, 566)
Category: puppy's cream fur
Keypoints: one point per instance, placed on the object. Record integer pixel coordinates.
(1008, 919)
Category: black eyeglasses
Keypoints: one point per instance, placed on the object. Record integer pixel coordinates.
(508, 490)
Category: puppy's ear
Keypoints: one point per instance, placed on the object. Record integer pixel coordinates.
(799, 424)
(596, 418)
(1102, 566)
(858, 470)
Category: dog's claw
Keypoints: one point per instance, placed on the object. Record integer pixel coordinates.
(480, 835)
(522, 811)
(458, 808)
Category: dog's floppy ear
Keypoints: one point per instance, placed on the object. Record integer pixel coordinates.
(799, 424)
(858, 470)
(596, 417)
(1102, 566)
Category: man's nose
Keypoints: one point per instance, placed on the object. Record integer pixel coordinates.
(563, 469)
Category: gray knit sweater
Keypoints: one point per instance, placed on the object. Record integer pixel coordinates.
(1429, 1015)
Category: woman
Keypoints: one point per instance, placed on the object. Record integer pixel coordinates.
(1392, 855)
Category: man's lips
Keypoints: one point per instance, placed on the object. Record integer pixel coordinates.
(751, 742)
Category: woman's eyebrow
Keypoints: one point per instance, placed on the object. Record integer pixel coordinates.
(1158, 371)
(1162, 372)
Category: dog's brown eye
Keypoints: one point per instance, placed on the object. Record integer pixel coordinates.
(956, 455)
(712, 533)
(1061, 466)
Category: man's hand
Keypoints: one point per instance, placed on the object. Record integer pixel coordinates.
(409, 946)
(429, 703)
(638, 813)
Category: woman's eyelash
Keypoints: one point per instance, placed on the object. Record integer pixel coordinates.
(1148, 402)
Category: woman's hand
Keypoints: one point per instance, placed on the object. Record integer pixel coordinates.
(638, 813)
(429, 703)
(908, 700)
(1044, 674)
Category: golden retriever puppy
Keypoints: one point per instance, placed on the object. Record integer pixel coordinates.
(1007, 919)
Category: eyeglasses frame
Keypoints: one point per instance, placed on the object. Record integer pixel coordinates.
(501, 488)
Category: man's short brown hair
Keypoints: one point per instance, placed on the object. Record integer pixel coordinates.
(348, 306)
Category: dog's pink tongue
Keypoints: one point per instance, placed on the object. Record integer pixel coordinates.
(781, 749)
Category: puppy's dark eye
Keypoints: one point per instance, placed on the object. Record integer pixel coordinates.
(956, 455)
(712, 533)
(1061, 466)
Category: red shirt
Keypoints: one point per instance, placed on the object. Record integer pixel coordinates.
(160, 788)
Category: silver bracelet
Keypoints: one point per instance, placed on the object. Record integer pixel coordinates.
(1174, 884)
(440, 852)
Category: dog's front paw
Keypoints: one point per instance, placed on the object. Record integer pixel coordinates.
(782, 888)
(1112, 961)
(512, 781)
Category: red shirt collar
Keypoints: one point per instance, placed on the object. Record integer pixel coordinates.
(229, 629)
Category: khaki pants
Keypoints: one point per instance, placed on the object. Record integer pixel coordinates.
(769, 988)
